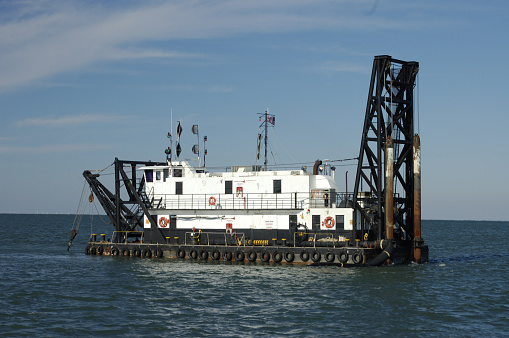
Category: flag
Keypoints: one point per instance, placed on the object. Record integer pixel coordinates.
(271, 120)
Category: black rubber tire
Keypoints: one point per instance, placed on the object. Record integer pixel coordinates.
(193, 254)
(357, 257)
(343, 257)
(181, 253)
(329, 256)
(93, 250)
(114, 251)
(216, 255)
(204, 255)
(316, 257)
(251, 256)
(159, 253)
(125, 253)
(277, 256)
(227, 256)
(289, 256)
(240, 256)
(304, 256)
(100, 250)
(137, 252)
(265, 256)
(147, 253)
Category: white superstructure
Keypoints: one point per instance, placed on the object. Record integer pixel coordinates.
(244, 198)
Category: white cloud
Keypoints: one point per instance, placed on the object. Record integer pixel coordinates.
(41, 38)
(65, 121)
(51, 148)
(220, 89)
(333, 66)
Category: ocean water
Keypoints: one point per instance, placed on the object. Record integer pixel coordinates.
(47, 291)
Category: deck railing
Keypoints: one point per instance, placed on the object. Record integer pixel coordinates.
(266, 201)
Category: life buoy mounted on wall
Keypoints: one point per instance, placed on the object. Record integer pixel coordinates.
(212, 200)
(163, 222)
(328, 222)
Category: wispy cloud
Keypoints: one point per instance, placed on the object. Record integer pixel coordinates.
(65, 121)
(333, 66)
(220, 89)
(42, 38)
(51, 148)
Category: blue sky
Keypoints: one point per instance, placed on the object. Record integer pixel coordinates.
(83, 82)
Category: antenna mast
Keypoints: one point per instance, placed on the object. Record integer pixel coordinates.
(266, 118)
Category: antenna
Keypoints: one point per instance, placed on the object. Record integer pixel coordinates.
(266, 118)
(167, 151)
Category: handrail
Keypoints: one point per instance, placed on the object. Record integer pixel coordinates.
(242, 238)
(247, 201)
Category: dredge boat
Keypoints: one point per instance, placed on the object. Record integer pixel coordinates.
(251, 214)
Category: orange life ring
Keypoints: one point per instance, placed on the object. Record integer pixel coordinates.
(328, 222)
(163, 222)
(212, 200)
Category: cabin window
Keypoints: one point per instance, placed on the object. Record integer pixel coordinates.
(177, 172)
(277, 186)
(228, 187)
(178, 188)
(315, 221)
(158, 175)
(149, 175)
(340, 222)
(166, 174)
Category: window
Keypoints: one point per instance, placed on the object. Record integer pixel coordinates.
(149, 175)
(178, 188)
(166, 174)
(277, 186)
(228, 187)
(340, 222)
(158, 175)
(177, 172)
(315, 220)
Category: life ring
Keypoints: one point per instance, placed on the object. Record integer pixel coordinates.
(181, 253)
(289, 256)
(212, 200)
(343, 256)
(240, 256)
(251, 256)
(316, 256)
(277, 256)
(304, 256)
(193, 254)
(215, 255)
(227, 256)
(137, 252)
(147, 253)
(204, 255)
(125, 252)
(328, 222)
(329, 256)
(163, 222)
(265, 256)
(357, 257)
(114, 251)
(159, 253)
(100, 250)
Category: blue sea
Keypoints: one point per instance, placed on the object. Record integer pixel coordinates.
(47, 291)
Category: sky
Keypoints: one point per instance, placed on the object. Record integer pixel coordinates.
(83, 82)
